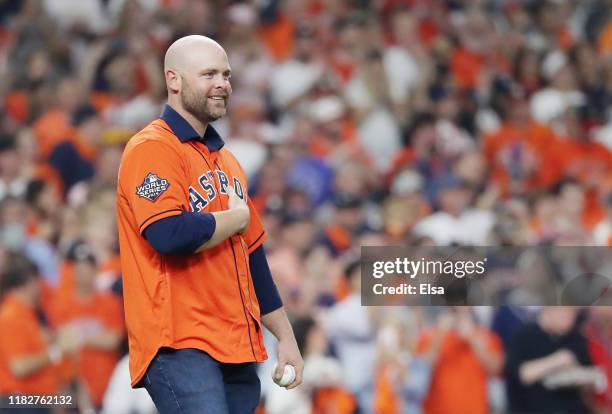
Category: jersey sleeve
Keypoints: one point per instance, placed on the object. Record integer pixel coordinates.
(154, 182)
(255, 234)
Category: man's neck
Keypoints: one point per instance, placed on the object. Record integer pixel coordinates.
(199, 127)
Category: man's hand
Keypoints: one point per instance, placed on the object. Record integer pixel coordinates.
(564, 358)
(288, 353)
(235, 203)
(69, 339)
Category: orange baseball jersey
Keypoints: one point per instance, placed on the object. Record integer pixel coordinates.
(206, 300)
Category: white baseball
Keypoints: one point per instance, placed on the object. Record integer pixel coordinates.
(288, 375)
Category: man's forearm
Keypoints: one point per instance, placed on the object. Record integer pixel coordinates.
(107, 341)
(533, 371)
(27, 365)
(228, 223)
(491, 361)
(278, 323)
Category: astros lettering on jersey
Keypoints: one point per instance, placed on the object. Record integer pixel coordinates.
(205, 300)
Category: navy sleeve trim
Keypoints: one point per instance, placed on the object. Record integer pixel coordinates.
(267, 293)
(157, 214)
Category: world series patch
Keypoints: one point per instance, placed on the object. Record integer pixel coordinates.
(152, 187)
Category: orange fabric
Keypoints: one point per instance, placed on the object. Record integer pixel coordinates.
(459, 382)
(278, 37)
(50, 129)
(466, 66)
(206, 300)
(17, 106)
(342, 289)
(403, 158)
(322, 145)
(535, 141)
(586, 161)
(333, 400)
(428, 31)
(343, 69)
(565, 39)
(102, 311)
(102, 101)
(113, 264)
(386, 400)
(605, 40)
(339, 237)
(84, 148)
(65, 286)
(25, 337)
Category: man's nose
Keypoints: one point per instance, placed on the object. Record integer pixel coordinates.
(221, 82)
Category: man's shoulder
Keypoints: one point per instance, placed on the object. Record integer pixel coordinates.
(154, 134)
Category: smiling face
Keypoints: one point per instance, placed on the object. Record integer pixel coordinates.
(198, 71)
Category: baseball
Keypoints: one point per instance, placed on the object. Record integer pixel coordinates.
(288, 375)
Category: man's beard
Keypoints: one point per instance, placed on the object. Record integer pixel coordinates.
(197, 105)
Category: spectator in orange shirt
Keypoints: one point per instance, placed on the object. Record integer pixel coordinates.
(74, 158)
(27, 357)
(463, 357)
(98, 319)
(582, 158)
(519, 152)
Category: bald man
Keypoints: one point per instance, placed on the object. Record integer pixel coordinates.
(197, 287)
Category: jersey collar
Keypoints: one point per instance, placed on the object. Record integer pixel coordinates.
(185, 132)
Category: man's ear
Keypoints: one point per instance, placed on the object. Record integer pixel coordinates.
(173, 80)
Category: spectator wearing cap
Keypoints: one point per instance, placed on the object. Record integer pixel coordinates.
(562, 92)
(333, 129)
(74, 158)
(294, 79)
(455, 222)
(97, 317)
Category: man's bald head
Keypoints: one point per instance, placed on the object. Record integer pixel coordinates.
(197, 75)
(177, 55)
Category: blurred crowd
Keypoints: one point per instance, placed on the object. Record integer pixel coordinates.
(358, 122)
